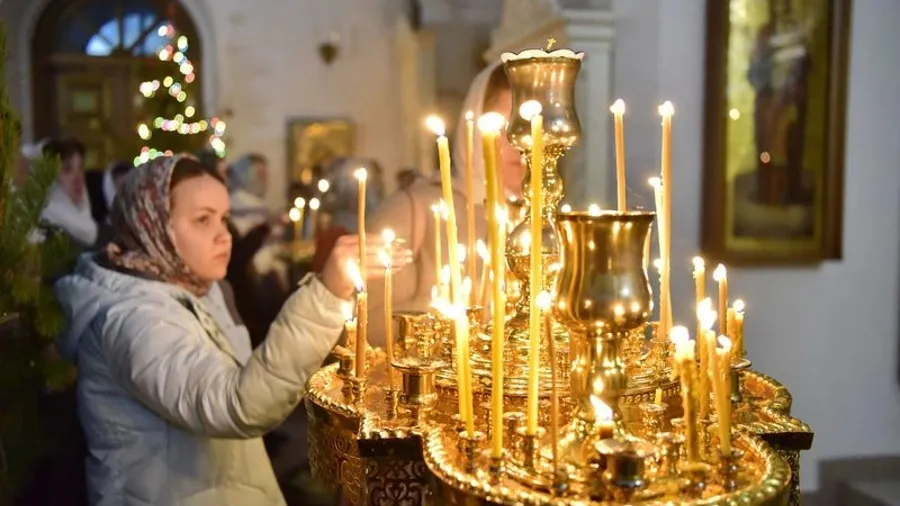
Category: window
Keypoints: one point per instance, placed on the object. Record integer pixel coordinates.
(115, 28)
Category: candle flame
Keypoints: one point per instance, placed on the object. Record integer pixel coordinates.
(384, 258)
(445, 211)
(347, 311)
(388, 236)
(655, 182)
(720, 273)
(470, 115)
(355, 276)
(544, 300)
(361, 174)
(618, 107)
(530, 109)
(299, 202)
(739, 305)
(601, 410)
(461, 252)
(657, 264)
(314, 204)
(491, 122)
(323, 185)
(706, 315)
(724, 343)
(435, 208)
(294, 214)
(679, 335)
(565, 208)
(666, 109)
(699, 264)
(594, 210)
(482, 250)
(466, 287)
(436, 125)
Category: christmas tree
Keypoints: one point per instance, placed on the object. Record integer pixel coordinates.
(170, 121)
(30, 365)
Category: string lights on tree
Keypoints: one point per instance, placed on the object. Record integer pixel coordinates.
(170, 123)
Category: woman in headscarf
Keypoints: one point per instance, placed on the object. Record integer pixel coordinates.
(68, 206)
(409, 214)
(248, 180)
(172, 399)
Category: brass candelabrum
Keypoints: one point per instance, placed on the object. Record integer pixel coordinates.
(615, 443)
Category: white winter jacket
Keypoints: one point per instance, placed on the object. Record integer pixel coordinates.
(171, 417)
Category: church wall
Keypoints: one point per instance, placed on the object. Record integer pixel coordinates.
(829, 333)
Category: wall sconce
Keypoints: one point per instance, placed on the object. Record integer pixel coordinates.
(329, 49)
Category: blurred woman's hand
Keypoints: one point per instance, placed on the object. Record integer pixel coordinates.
(336, 274)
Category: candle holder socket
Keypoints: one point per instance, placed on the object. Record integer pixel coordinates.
(624, 475)
(358, 389)
(652, 419)
(737, 377)
(669, 447)
(728, 468)
(529, 448)
(392, 401)
(470, 448)
(695, 478)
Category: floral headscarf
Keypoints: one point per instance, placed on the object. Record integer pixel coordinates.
(141, 217)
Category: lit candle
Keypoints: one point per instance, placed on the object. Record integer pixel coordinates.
(489, 126)
(361, 176)
(706, 317)
(385, 255)
(721, 277)
(666, 110)
(496, 236)
(296, 216)
(531, 110)
(323, 185)
(437, 126)
(544, 301)
(437, 211)
(678, 336)
(461, 322)
(720, 371)
(470, 202)
(349, 325)
(684, 354)
(618, 110)
(314, 217)
(738, 351)
(361, 316)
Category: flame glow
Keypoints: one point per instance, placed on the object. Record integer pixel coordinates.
(666, 109)
(314, 203)
(355, 276)
(739, 306)
(720, 273)
(299, 202)
(491, 122)
(361, 174)
(436, 125)
(294, 214)
(618, 107)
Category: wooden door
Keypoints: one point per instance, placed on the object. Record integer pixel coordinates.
(95, 103)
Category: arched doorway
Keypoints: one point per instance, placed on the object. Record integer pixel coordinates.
(89, 58)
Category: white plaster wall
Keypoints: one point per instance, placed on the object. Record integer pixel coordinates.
(829, 333)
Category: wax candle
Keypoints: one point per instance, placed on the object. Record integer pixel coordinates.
(362, 317)
(721, 277)
(618, 110)
(665, 323)
(314, 217)
(544, 301)
(657, 396)
(684, 354)
(483, 280)
(738, 350)
(666, 110)
(706, 317)
(385, 256)
(361, 175)
(531, 110)
(470, 202)
(720, 372)
(678, 336)
(461, 323)
(349, 326)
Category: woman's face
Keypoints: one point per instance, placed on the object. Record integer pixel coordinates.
(71, 177)
(512, 170)
(199, 210)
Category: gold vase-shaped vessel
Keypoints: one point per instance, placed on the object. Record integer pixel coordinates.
(601, 294)
(550, 81)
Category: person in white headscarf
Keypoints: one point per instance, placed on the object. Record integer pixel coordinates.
(68, 206)
(248, 180)
(409, 212)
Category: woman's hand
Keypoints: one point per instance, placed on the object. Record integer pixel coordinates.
(336, 276)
